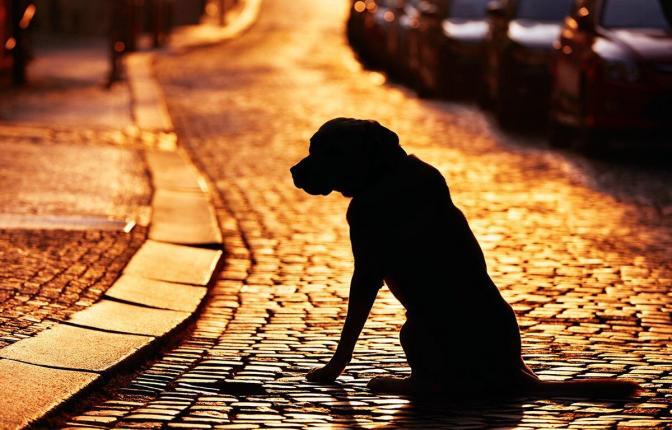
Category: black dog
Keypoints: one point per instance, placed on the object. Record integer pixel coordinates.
(460, 335)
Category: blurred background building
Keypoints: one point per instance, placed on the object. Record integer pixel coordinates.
(33, 28)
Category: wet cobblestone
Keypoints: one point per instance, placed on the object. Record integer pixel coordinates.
(587, 273)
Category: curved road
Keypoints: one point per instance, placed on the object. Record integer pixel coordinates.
(580, 250)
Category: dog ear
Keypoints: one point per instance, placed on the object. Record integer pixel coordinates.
(382, 146)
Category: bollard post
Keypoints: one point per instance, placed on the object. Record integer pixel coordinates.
(122, 34)
(21, 16)
(222, 12)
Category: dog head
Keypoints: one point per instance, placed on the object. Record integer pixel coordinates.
(346, 155)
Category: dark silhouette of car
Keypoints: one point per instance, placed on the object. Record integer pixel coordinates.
(519, 45)
(401, 35)
(358, 25)
(452, 35)
(407, 62)
(613, 68)
(367, 29)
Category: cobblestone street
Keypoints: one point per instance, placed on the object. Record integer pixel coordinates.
(580, 250)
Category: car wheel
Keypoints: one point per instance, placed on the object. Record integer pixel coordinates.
(559, 135)
(506, 112)
(593, 142)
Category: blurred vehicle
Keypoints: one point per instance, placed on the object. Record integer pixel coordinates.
(403, 40)
(613, 67)
(393, 37)
(519, 45)
(367, 27)
(355, 25)
(452, 36)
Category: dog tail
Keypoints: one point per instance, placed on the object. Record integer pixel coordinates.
(592, 388)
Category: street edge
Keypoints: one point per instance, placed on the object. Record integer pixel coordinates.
(38, 401)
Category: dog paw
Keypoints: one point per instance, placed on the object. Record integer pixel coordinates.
(390, 385)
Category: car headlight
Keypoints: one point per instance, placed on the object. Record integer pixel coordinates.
(621, 71)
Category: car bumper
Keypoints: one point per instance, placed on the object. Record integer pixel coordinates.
(631, 107)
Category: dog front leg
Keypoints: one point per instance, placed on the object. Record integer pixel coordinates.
(363, 291)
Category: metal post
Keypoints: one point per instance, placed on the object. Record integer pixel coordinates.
(222, 12)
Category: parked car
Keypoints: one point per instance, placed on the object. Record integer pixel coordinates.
(613, 67)
(367, 30)
(396, 29)
(519, 45)
(356, 25)
(452, 36)
(405, 60)
(383, 16)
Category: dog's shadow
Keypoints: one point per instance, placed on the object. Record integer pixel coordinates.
(429, 412)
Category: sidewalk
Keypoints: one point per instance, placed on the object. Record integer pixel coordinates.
(66, 87)
(75, 192)
(107, 236)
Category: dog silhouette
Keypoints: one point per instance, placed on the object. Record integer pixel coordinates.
(460, 336)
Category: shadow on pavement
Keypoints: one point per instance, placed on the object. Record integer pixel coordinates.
(427, 413)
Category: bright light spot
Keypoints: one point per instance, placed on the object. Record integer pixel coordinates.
(359, 6)
(376, 78)
(567, 49)
(211, 9)
(119, 46)
(388, 16)
(371, 6)
(584, 11)
(27, 16)
(10, 44)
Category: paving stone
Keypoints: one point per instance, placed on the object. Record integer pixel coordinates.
(149, 110)
(174, 263)
(170, 171)
(122, 317)
(77, 348)
(183, 218)
(21, 403)
(157, 294)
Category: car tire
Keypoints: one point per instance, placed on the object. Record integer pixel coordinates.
(593, 142)
(559, 135)
(506, 113)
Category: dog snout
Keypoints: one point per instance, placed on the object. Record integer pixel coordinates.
(299, 174)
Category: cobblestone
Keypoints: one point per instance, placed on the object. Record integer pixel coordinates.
(586, 271)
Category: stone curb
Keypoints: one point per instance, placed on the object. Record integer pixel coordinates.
(162, 286)
(158, 293)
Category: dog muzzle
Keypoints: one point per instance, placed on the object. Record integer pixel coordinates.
(308, 178)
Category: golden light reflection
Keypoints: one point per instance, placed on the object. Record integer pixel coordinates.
(388, 16)
(10, 44)
(359, 6)
(211, 9)
(28, 15)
